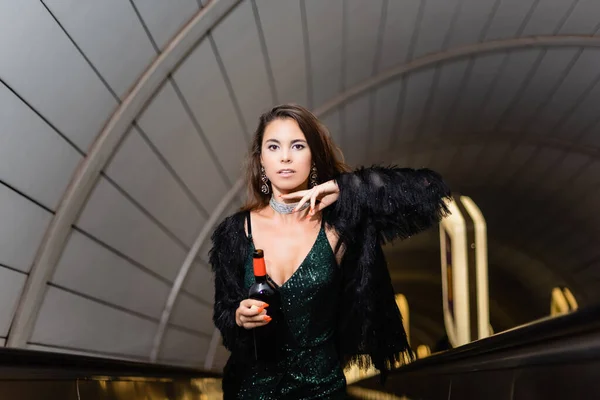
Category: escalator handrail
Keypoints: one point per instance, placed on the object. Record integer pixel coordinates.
(548, 340)
(23, 364)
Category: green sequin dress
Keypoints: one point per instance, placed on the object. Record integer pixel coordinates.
(311, 368)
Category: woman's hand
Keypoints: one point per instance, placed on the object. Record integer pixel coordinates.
(251, 314)
(327, 193)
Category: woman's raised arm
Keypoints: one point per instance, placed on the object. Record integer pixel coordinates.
(400, 202)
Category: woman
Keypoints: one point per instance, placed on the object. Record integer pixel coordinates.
(321, 228)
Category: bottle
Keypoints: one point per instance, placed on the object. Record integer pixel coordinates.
(265, 337)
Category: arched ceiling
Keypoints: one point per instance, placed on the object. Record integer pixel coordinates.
(124, 124)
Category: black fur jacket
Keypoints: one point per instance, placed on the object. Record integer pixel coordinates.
(375, 205)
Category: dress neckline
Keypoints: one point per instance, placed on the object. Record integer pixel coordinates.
(321, 231)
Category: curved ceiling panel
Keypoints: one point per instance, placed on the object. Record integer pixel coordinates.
(498, 95)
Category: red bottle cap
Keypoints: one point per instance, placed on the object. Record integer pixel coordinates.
(260, 269)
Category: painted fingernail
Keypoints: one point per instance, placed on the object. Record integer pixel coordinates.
(267, 318)
(261, 309)
(265, 305)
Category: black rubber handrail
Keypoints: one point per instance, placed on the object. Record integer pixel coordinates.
(24, 364)
(573, 336)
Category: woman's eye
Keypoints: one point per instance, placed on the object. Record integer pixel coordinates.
(298, 146)
(272, 147)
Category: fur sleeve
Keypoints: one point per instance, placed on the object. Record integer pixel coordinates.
(227, 259)
(400, 202)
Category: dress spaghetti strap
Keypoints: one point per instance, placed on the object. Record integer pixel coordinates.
(249, 225)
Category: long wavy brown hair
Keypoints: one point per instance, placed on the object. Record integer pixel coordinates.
(325, 154)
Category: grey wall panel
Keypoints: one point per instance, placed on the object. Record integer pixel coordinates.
(324, 23)
(2, 342)
(463, 161)
(51, 74)
(582, 218)
(489, 159)
(435, 26)
(509, 17)
(386, 107)
(583, 184)
(583, 20)
(400, 22)
(332, 122)
(221, 357)
(446, 96)
(563, 172)
(363, 22)
(191, 314)
(200, 282)
(110, 217)
(418, 86)
(471, 22)
(203, 87)
(171, 130)
(356, 132)
(75, 322)
(591, 137)
(87, 267)
(237, 41)
(111, 36)
(538, 166)
(11, 285)
(579, 80)
(23, 225)
(583, 119)
(421, 160)
(512, 163)
(181, 346)
(481, 79)
(507, 86)
(554, 64)
(204, 249)
(33, 158)
(548, 16)
(589, 178)
(165, 18)
(139, 171)
(285, 48)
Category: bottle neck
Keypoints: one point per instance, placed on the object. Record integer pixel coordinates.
(260, 269)
(260, 278)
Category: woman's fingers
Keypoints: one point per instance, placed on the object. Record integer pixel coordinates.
(301, 202)
(250, 307)
(252, 325)
(251, 314)
(253, 321)
(255, 318)
(313, 202)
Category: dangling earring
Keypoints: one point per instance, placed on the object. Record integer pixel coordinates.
(265, 181)
(313, 177)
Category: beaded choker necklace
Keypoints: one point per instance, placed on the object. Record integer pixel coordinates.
(285, 208)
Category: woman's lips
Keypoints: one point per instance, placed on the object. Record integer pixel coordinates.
(286, 172)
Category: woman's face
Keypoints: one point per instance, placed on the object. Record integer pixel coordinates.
(285, 156)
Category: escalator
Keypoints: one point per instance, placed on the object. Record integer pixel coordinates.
(552, 358)
(34, 375)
